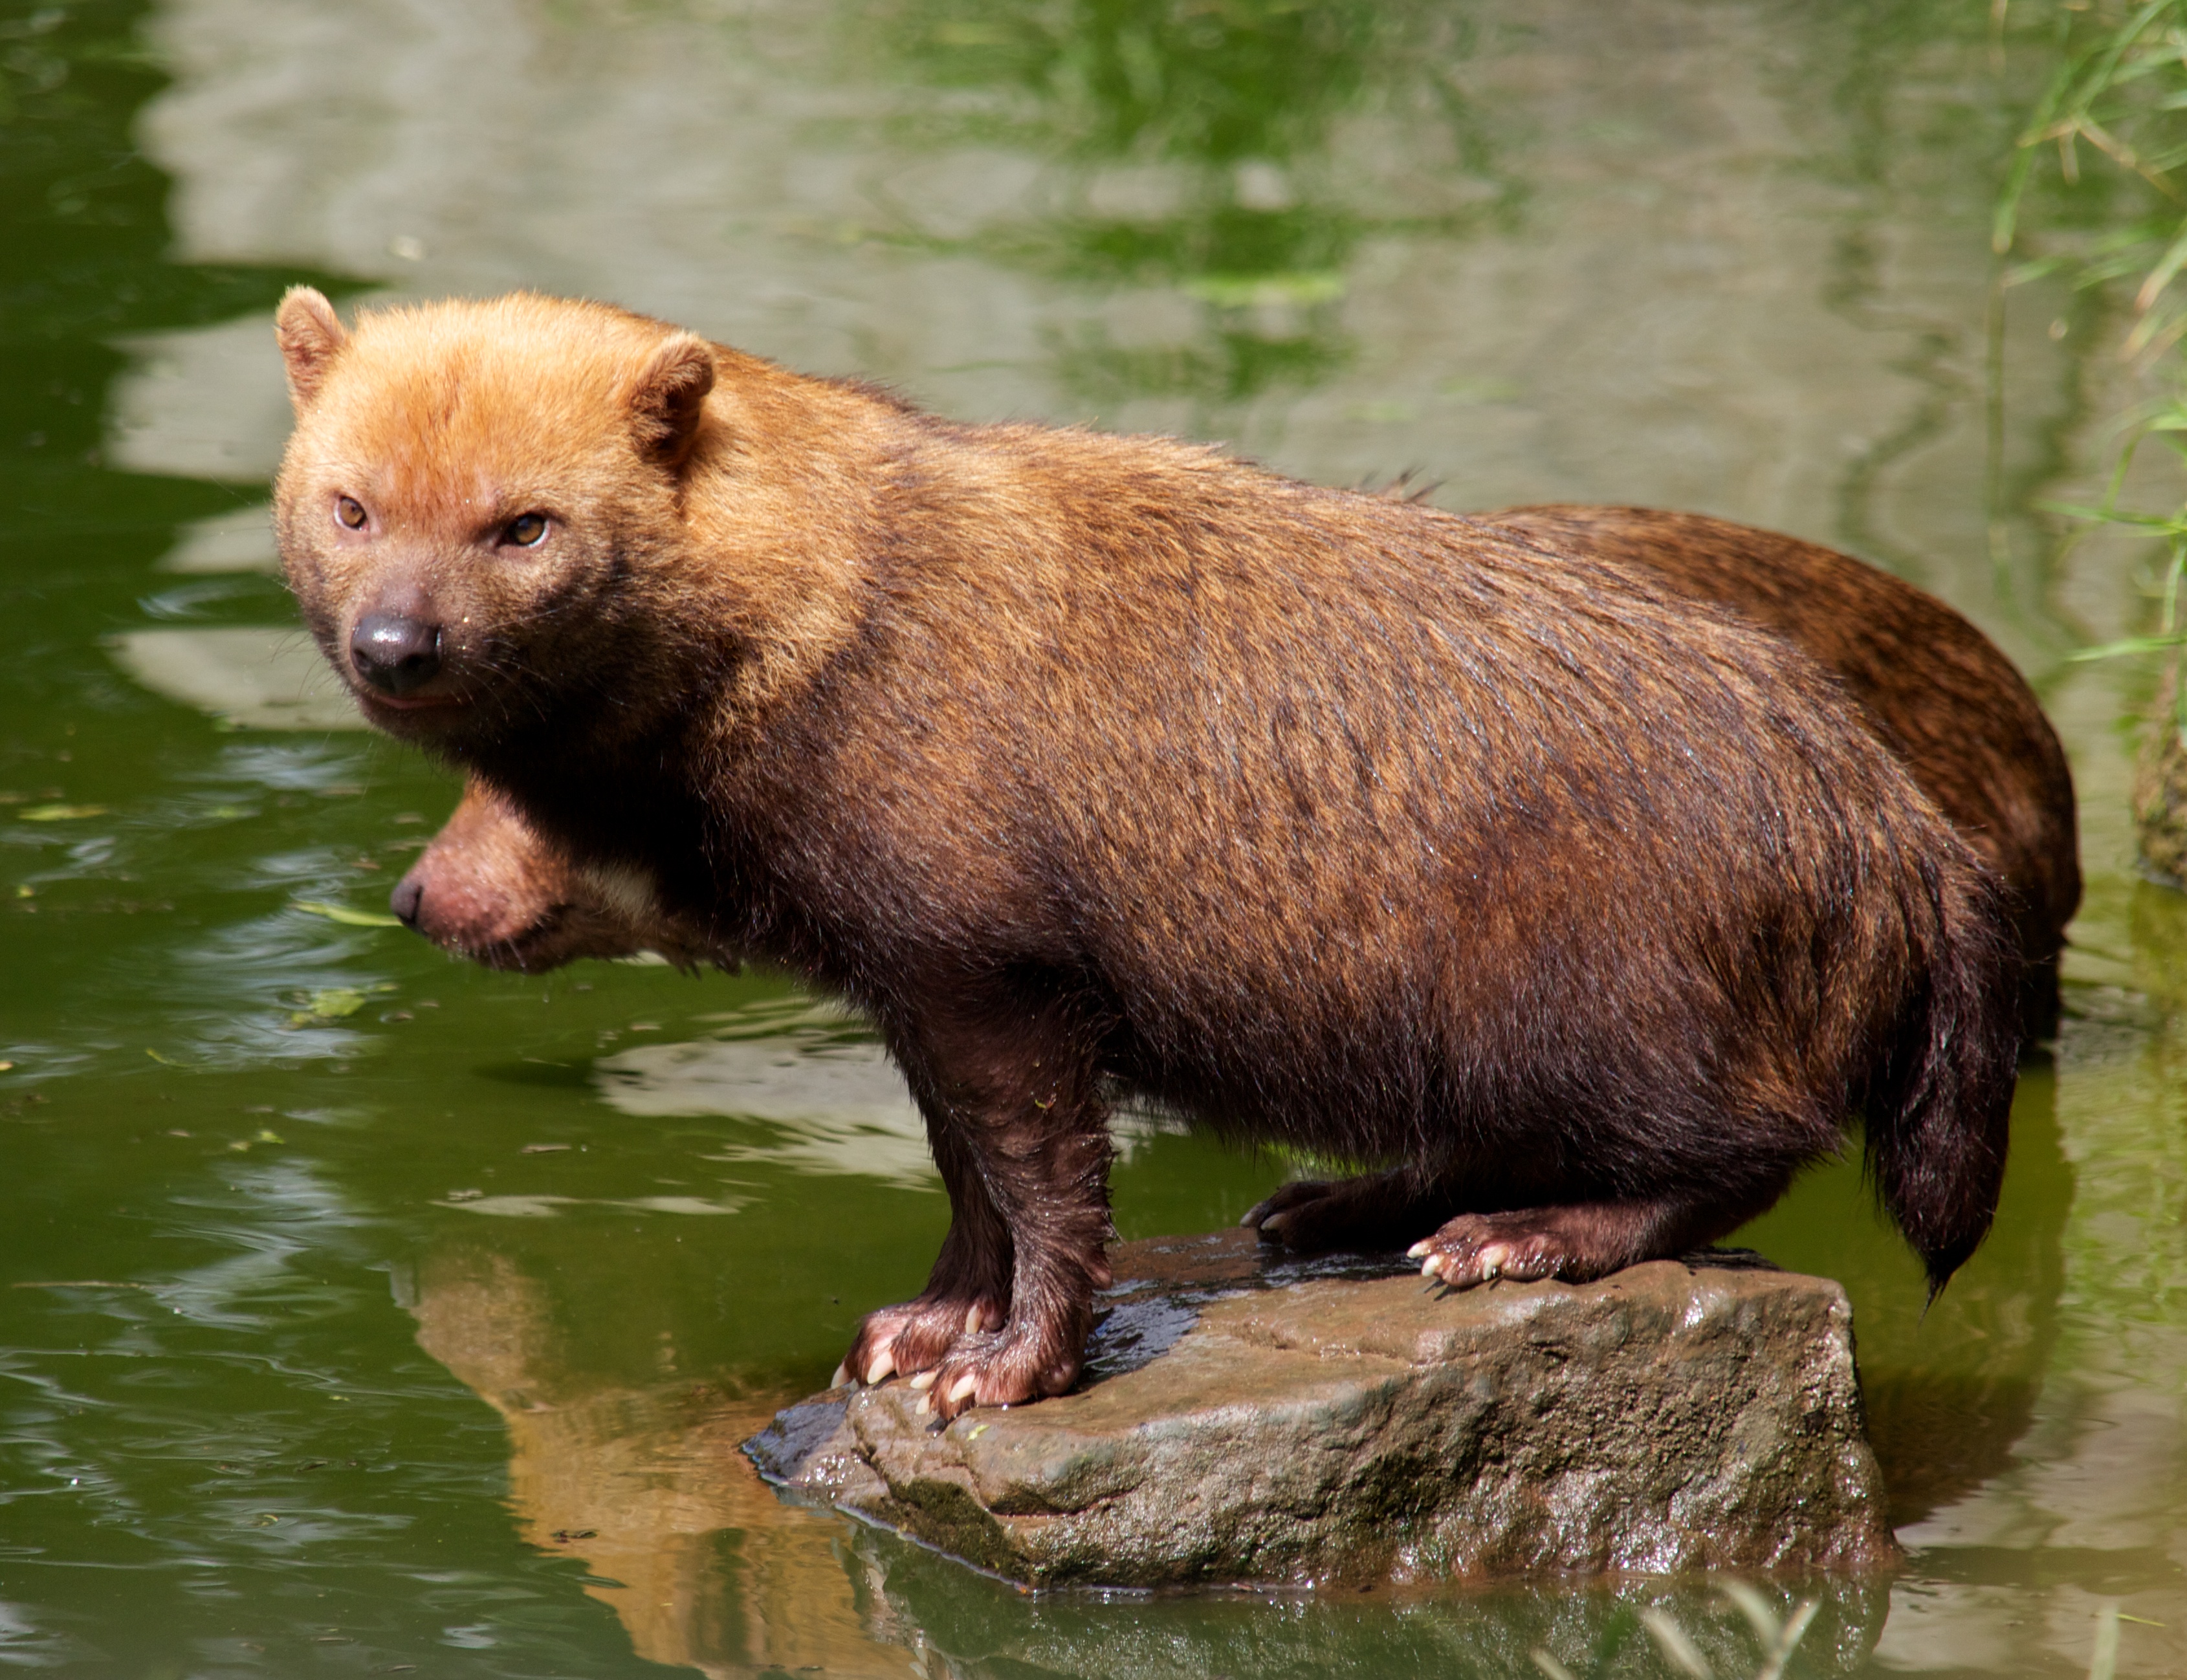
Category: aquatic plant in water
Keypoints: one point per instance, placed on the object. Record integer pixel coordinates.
(2121, 90)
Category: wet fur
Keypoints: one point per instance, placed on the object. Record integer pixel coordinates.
(1937, 692)
(1078, 761)
(1948, 704)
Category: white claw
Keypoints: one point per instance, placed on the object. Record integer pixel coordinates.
(1432, 1266)
(926, 1407)
(1418, 1250)
(884, 1364)
(963, 1386)
(924, 1380)
(973, 1319)
(842, 1375)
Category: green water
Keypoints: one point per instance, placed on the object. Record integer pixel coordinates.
(370, 1313)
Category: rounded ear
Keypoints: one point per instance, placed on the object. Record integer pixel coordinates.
(669, 395)
(309, 334)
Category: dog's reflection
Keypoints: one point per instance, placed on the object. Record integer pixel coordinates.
(704, 1567)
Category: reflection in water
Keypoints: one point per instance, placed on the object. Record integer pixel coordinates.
(256, 679)
(237, 541)
(694, 1555)
(706, 1568)
(1675, 319)
(831, 1100)
(1190, 148)
(979, 1628)
(834, 1107)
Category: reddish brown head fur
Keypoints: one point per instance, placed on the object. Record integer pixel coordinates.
(426, 442)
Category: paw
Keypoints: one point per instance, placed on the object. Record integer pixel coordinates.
(1004, 1367)
(1373, 1213)
(1479, 1248)
(911, 1339)
(1288, 1211)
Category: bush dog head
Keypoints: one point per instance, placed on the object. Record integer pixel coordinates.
(1083, 762)
(465, 523)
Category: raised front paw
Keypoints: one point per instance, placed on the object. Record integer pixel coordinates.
(908, 1339)
(997, 1367)
(1530, 1243)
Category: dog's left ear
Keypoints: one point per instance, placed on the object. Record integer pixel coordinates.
(669, 398)
(311, 335)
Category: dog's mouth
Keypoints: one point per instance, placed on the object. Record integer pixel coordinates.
(429, 720)
(374, 697)
(547, 941)
(432, 709)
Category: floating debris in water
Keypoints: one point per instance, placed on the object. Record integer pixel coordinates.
(334, 1003)
(343, 914)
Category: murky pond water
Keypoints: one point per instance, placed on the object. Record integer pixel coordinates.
(368, 1314)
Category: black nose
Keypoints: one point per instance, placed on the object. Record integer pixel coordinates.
(408, 894)
(396, 654)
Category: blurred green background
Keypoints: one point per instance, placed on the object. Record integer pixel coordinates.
(366, 1313)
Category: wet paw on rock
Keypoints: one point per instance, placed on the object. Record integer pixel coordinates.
(908, 1339)
(1479, 1248)
(996, 1367)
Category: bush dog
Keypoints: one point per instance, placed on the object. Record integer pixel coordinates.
(1934, 688)
(1083, 762)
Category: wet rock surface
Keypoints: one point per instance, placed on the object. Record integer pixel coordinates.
(1245, 1420)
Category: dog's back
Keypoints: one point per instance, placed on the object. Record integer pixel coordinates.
(1953, 708)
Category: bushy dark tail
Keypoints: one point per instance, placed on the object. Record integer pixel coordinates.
(1938, 1115)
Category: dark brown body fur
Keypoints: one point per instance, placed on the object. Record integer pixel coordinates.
(1959, 717)
(1078, 761)
(1936, 690)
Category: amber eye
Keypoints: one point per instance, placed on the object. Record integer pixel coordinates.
(351, 511)
(526, 529)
